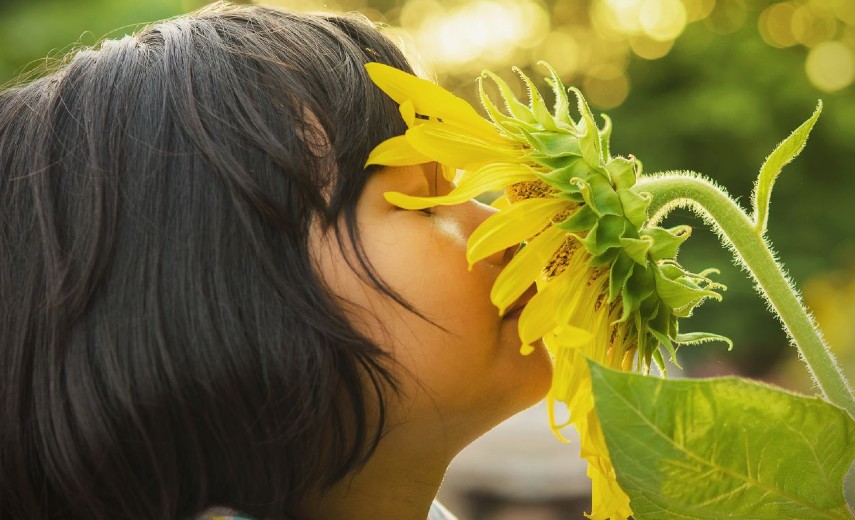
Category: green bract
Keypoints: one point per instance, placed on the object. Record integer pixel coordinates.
(609, 219)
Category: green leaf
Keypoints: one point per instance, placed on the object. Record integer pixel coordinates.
(723, 448)
(786, 151)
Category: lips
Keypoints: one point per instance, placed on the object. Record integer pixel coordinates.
(517, 307)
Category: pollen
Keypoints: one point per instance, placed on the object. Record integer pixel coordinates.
(559, 261)
(529, 190)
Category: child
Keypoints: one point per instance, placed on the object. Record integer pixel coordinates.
(207, 306)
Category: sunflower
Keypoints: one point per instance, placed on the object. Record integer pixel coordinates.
(609, 288)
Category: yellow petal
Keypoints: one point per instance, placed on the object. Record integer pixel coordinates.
(427, 97)
(489, 178)
(449, 173)
(395, 151)
(500, 203)
(570, 336)
(524, 268)
(536, 319)
(408, 113)
(516, 224)
(571, 384)
(446, 145)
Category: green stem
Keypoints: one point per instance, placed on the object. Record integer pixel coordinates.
(751, 249)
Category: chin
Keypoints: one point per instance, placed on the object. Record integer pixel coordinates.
(533, 380)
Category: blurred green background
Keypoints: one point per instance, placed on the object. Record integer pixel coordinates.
(703, 85)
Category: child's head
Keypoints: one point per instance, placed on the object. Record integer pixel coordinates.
(205, 298)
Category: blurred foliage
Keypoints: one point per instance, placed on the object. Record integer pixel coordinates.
(703, 85)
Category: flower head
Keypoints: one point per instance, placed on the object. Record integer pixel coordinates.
(609, 286)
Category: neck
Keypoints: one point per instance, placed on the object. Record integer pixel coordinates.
(394, 485)
(402, 477)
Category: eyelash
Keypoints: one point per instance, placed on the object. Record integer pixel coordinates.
(427, 211)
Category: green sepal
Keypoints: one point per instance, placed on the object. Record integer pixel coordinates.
(618, 274)
(637, 248)
(590, 140)
(605, 258)
(509, 124)
(605, 138)
(554, 143)
(622, 172)
(561, 109)
(694, 338)
(679, 294)
(514, 106)
(634, 206)
(656, 354)
(639, 286)
(604, 235)
(599, 194)
(582, 220)
(536, 104)
(555, 162)
(660, 318)
(562, 178)
(666, 242)
(652, 307)
(675, 271)
(665, 341)
(706, 449)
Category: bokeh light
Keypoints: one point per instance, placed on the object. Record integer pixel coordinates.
(562, 50)
(486, 31)
(776, 24)
(830, 66)
(813, 24)
(606, 86)
(727, 17)
(661, 20)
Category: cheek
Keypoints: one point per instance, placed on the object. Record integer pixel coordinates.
(428, 268)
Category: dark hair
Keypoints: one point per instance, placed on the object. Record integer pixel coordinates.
(165, 342)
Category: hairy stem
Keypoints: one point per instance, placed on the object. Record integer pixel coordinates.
(750, 249)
